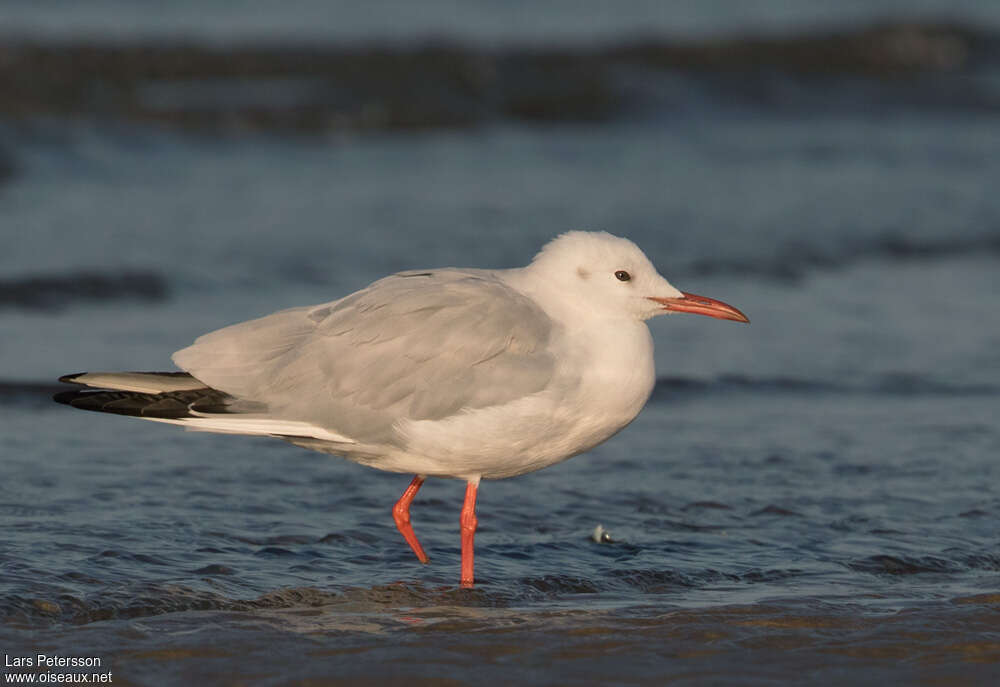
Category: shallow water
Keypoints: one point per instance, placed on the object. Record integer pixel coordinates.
(810, 498)
(817, 534)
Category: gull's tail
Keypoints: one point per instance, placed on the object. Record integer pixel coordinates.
(179, 398)
(150, 395)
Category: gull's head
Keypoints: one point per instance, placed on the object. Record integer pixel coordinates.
(609, 275)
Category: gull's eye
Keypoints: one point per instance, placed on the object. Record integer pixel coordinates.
(622, 275)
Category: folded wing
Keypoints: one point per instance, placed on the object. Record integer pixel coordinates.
(413, 346)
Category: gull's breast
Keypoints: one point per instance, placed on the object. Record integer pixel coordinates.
(602, 381)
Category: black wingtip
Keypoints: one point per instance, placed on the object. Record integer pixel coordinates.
(65, 397)
(71, 379)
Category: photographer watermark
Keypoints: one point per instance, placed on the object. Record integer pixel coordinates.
(49, 669)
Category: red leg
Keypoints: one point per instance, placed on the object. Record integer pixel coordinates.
(469, 523)
(401, 514)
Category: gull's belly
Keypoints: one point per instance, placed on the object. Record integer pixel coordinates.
(588, 402)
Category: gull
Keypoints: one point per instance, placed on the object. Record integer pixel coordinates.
(462, 373)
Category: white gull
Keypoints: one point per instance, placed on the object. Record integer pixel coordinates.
(464, 373)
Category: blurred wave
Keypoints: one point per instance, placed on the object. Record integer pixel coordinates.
(7, 165)
(795, 260)
(155, 599)
(322, 87)
(52, 292)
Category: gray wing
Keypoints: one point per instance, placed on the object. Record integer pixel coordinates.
(417, 345)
